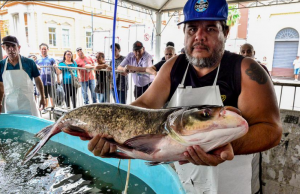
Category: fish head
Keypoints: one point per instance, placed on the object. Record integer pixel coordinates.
(188, 124)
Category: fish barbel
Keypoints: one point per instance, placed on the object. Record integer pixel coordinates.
(157, 135)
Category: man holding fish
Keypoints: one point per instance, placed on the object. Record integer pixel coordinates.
(209, 75)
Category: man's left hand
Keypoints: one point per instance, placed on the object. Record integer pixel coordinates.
(197, 156)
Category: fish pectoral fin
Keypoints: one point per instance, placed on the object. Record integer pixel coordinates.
(119, 155)
(144, 143)
(120, 147)
(44, 131)
(76, 131)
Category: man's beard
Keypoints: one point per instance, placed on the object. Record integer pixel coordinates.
(208, 61)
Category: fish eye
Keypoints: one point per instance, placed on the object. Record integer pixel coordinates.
(206, 113)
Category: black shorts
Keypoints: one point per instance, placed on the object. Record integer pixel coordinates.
(138, 91)
(48, 91)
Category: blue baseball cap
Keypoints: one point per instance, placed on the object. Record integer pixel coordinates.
(213, 10)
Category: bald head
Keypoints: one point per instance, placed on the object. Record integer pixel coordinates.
(247, 50)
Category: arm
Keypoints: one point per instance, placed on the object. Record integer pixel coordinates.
(91, 64)
(151, 70)
(261, 110)
(101, 66)
(1, 95)
(39, 85)
(58, 71)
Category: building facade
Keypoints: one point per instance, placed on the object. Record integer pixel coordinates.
(65, 25)
(274, 33)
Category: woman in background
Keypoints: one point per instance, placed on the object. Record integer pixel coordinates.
(70, 90)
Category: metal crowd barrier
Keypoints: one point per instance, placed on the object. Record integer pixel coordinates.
(99, 90)
(287, 93)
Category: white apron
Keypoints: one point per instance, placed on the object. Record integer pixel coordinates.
(18, 90)
(229, 177)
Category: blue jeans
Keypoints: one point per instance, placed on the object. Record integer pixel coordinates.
(101, 97)
(121, 95)
(84, 90)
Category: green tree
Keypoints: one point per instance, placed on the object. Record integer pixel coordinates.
(233, 14)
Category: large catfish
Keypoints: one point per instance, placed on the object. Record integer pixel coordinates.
(157, 135)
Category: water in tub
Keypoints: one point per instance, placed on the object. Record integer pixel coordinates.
(58, 169)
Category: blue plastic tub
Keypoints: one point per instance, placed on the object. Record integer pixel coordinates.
(162, 178)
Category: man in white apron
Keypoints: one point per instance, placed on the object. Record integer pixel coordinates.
(209, 75)
(16, 85)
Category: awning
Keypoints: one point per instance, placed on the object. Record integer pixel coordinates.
(172, 5)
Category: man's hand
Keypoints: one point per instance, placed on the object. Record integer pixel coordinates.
(197, 156)
(42, 103)
(99, 146)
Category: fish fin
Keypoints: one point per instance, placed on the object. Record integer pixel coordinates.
(119, 155)
(46, 136)
(44, 132)
(156, 163)
(119, 146)
(144, 143)
(76, 131)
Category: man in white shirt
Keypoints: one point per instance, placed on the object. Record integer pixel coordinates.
(296, 64)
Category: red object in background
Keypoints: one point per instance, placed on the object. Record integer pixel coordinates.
(146, 37)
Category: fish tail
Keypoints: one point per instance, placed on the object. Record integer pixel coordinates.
(41, 134)
(45, 134)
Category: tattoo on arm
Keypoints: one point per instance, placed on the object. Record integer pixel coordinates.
(257, 74)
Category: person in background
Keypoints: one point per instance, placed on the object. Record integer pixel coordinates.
(16, 75)
(296, 64)
(264, 61)
(48, 69)
(121, 79)
(87, 77)
(169, 53)
(247, 50)
(209, 75)
(182, 51)
(138, 58)
(36, 93)
(69, 89)
(167, 45)
(101, 77)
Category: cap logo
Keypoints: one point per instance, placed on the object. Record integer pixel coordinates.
(138, 44)
(201, 5)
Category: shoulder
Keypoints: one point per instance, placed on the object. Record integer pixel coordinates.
(2, 62)
(252, 71)
(148, 55)
(61, 64)
(28, 61)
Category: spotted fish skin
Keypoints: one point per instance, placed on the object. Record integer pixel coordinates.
(157, 135)
(120, 121)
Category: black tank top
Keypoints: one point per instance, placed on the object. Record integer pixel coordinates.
(229, 79)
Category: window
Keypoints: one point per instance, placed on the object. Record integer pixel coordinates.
(66, 38)
(52, 36)
(88, 39)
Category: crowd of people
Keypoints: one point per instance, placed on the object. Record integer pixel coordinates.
(94, 75)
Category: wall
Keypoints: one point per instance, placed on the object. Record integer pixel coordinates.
(280, 165)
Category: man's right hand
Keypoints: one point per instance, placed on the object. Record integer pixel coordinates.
(99, 146)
